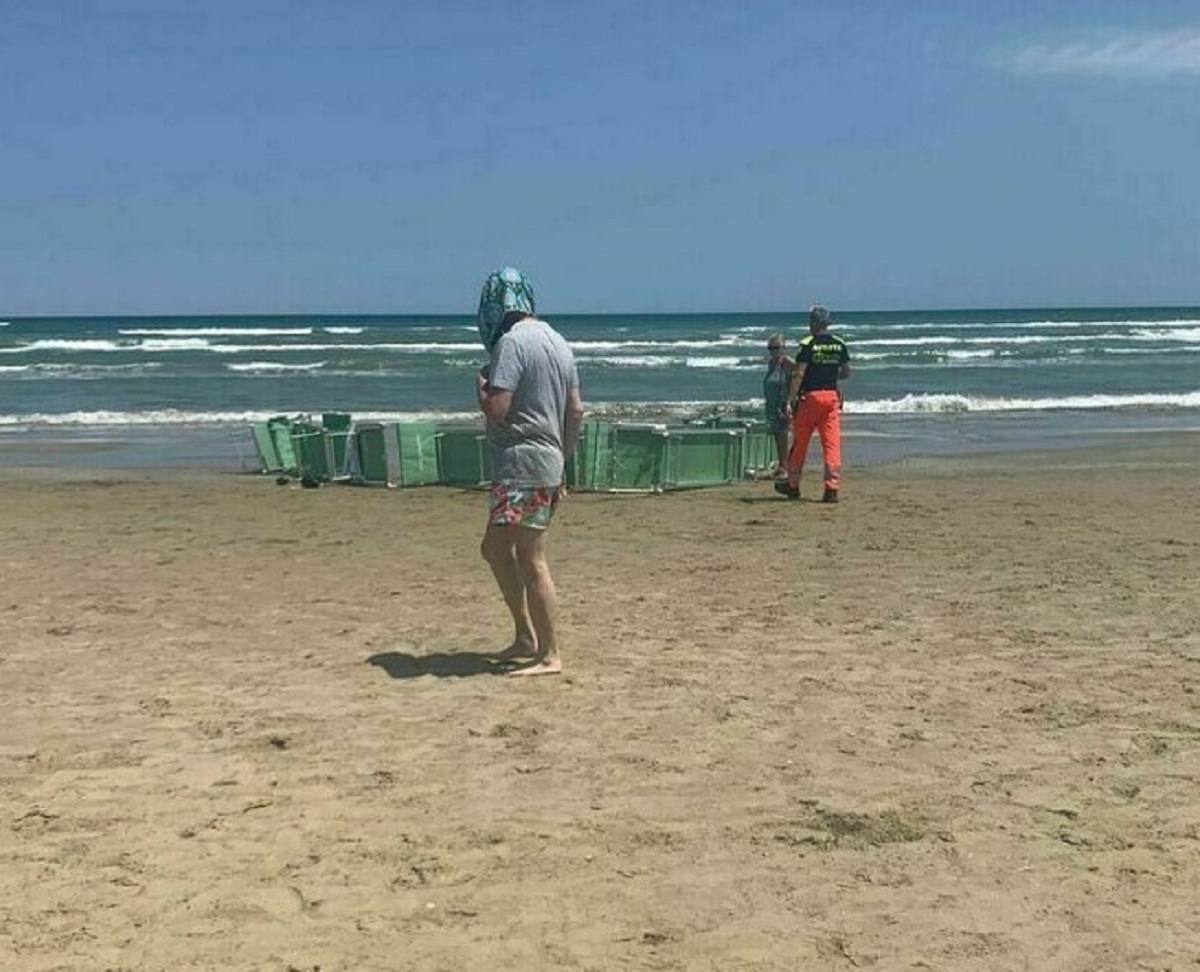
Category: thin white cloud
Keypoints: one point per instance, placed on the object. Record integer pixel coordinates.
(1147, 55)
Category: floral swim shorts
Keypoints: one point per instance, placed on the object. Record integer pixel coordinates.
(527, 506)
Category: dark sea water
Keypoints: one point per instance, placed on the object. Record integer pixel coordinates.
(180, 391)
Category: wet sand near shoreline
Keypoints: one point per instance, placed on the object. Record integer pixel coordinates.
(952, 723)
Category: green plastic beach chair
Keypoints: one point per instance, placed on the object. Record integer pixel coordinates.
(416, 453)
(311, 448)
(280, 428)
(462, 457)
(264, 445)
(337, 427)
(369, 462)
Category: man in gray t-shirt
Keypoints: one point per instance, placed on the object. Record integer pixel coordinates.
(534, 363)
(530, 395)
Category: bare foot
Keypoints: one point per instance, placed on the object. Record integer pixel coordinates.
(543, 666)
(520, 650)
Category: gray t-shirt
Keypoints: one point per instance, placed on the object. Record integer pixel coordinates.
(536, 365)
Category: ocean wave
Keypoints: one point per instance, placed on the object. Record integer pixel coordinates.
(93, 345)
(950, 403)
(925, 357)
(64, 344)
(426, 347)
(1178, 349)
(173, 332)
(203, 344)
(1030, 325)
(931, 404)
(105, 418)
(644, 345)
(727, 364)
(67, 371)
(1015, 340)
(799, 326)
(274, 366)
(630, 361)
(175, 417)
(670, 410)
(667, 361)
(343, 330)
(649, 354)
(172, 344)
(1161, 334)
(918, 405)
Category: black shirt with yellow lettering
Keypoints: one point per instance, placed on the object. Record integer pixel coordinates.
(824, 354)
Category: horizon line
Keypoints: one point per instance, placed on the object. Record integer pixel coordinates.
(799, 311)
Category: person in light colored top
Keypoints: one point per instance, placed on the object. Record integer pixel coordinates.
(775, 391)
(529, 393)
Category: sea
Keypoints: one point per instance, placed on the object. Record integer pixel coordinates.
(182, 391)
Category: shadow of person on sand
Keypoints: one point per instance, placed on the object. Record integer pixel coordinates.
(781, 501)
(764, 498)
(449, 664)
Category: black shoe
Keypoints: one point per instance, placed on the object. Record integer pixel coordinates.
(830, 496)
(783, 489)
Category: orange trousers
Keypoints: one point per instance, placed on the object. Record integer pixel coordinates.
(818, 412)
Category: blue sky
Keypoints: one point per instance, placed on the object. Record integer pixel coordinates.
(380, 156)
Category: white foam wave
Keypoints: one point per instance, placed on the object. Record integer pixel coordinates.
(631, 361)
(923, 404)
(729, 364)
(1018, 340)
(112, 418)
(669, 361)
(1179, 349)
(172, 344)
(175, 417)
(81, 371)
(267, 366)
(957, 355)
(919, 342)
(908, 405)
(1033, 325)
(343, 330)
(1160, 334)
(60, 344)
(681, 345)
(174, 332)
(681, 409)
(627, 353)
(762, 330)
(203, 344)
(90, 345)
(924, 359)
(415, 348)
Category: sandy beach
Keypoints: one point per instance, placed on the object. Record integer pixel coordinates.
(951, 724)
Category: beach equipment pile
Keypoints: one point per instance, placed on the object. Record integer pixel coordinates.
(611, 457)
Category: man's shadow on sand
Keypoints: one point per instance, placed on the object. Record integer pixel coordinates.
(442, 664)
(774, 498)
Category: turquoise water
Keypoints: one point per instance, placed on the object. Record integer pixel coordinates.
(182, 389)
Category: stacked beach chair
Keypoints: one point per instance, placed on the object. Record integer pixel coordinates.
(612, 456)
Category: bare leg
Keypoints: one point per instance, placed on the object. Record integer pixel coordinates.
(781, 452)
(498, 550)
(529, 546)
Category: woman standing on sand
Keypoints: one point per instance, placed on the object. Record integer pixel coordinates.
(775, 389)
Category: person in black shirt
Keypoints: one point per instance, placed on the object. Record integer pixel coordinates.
(815, 403)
